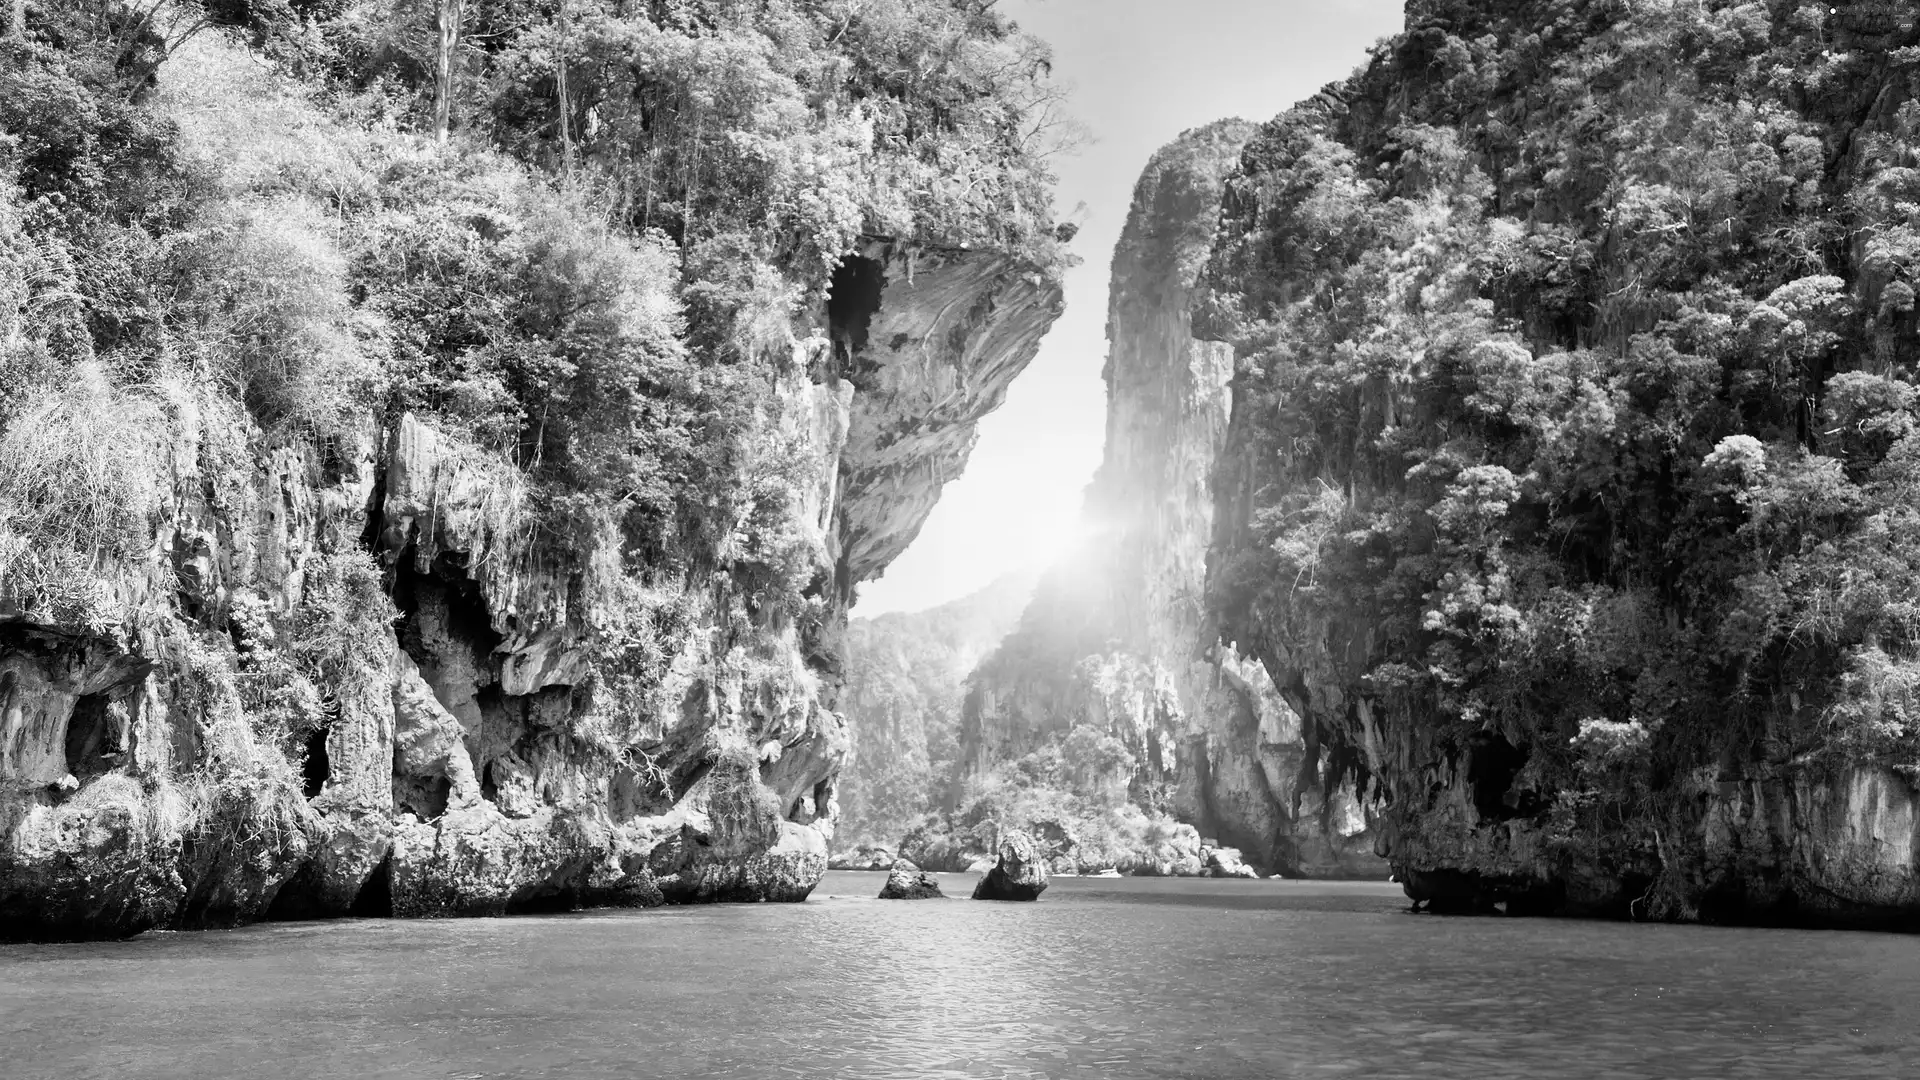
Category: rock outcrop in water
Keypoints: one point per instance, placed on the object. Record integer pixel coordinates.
(523, 586)
(1114, 646)
(1226, 863)
(1570, 489)
(908, 882)
(1019, 873)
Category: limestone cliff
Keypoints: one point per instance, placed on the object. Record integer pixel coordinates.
(1114, 638)
(456, 780)
(1565, 493)
(373, 663)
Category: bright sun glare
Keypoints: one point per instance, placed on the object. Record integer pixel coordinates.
(1059, 538)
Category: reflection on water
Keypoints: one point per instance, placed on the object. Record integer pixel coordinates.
(1102, 978)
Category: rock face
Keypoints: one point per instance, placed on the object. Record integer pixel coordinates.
(909, 882)
(1525, 592)
(1020, 873)
(1115, 639)
(495, 742)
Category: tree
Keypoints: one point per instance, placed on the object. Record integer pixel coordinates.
(560, 92)
(447, 18)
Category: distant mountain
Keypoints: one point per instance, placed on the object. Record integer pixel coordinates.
(906, 680)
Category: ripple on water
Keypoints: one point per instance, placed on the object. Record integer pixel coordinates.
(1102, 978)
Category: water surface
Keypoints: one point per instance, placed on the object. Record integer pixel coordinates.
(1102, 978)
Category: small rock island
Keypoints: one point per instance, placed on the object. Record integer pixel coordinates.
(1021, 873)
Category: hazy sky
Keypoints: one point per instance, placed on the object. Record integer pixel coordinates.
(1142, 72)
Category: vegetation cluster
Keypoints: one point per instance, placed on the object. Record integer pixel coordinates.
(1577, 399)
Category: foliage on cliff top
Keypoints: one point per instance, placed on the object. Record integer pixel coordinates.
(1578, 381)
(791, 126)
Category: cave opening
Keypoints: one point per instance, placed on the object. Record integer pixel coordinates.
(638, 792)
(375, 898)
(489, 788)
(1492, 763)
(853, 298)
(92, 743)
(425, 797)
(466, 606)
(315, 766)
(453, 598)
(822, 797)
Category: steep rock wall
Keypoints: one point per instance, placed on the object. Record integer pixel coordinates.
(1114, 638)
(1476, 544)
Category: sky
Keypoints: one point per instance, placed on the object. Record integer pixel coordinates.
(1141, 72)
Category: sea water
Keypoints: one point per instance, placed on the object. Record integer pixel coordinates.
(1101, 978)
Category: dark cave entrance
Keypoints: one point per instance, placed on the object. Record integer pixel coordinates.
(1492, 763)
(853, 298)
(93, 739)
(316, 767)
(375, 898)
(449, 588)
(306, 895)
(428, 800)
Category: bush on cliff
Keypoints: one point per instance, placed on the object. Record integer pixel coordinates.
(79, 489)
